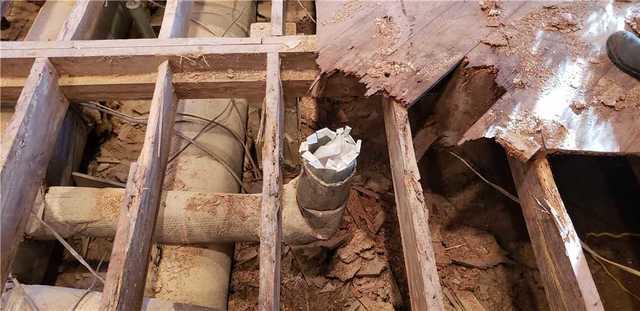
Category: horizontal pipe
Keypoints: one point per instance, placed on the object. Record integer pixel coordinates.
(63, 298)
(185, 217)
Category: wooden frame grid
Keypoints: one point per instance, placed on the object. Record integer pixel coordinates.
(171, 68)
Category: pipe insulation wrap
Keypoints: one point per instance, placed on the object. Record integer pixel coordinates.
(193, 274)
(185, 217)
(64, 298)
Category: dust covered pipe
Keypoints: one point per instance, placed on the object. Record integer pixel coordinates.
(63, 298)
(313, 205)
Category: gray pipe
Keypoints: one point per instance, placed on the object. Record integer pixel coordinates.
(322, 200)
(141, 18)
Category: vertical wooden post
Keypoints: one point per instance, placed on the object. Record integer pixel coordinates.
(567, 280)
(126, 277)
(422, 275)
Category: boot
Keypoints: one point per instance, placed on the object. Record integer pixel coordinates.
(623, 48)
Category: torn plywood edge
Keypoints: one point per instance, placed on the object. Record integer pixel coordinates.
(563, 93)
(402, 48)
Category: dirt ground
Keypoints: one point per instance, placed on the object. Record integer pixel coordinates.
(21, 15)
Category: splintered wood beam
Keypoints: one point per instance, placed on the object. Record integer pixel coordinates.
(271, 214)
(422, 275)
(27, 145)
(565, 274)
(127, 272)
(143, 56)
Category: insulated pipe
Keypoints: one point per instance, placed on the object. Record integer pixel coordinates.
(185, 217)
(313, 203)
(199, 274)
(64, 298)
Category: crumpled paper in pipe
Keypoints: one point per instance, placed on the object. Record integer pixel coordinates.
(326, 149)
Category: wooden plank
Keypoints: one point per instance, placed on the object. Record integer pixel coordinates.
(384, 46)
(271, 214)
(175, 20)
(143, 56)
(127, 272)
(188, 85)
(278, 17)
(563, 268)
(27, 145)
(555, 101)
(47, 24)
(422, 275)
(83, 21)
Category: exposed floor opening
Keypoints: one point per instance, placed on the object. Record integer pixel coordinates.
(482, 247)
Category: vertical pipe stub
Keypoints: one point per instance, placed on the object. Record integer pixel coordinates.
(329, 162)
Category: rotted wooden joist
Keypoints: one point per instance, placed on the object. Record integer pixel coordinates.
(127, 69)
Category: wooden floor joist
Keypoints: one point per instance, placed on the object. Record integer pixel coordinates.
(127, 274)
(271, 210)
(422, 275)
(129, 259)
(563, 267)
(126, 69)
(271, 217)
(83, 21)
(29, 139)
(140, 56)
(27, 146)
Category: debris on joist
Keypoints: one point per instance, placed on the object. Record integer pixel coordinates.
(401, 49)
